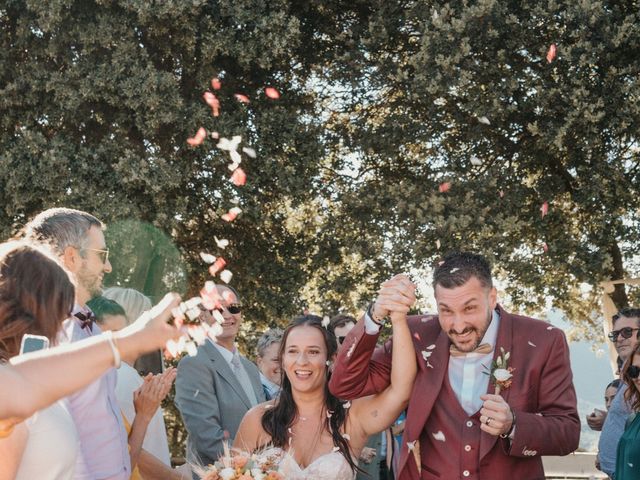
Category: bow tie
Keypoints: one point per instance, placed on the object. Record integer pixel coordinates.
(483, 348)
(86, 319)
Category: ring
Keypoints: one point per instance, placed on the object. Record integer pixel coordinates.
(488, 420)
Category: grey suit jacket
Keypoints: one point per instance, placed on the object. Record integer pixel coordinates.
(212, 401)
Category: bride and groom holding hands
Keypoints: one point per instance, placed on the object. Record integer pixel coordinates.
(486, 392)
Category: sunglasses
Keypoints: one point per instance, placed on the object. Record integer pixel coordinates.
(233, 309)
(626, 332)
(103, 254)
(633, 371)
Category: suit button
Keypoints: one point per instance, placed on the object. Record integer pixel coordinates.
(469, 423)
(466, 473)
(467, 448)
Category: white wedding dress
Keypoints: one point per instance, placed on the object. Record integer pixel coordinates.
(330, 466)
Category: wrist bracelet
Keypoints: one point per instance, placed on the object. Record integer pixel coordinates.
(513, 424)
(370, 313)
(114, 349)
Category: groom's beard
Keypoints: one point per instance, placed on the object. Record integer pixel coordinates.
(477, 335)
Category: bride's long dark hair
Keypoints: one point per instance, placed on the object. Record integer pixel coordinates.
(278, 420)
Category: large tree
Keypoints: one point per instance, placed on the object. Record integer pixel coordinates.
(467, 132)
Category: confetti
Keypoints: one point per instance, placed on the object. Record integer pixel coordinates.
(216, 84)
(416, 335)
(438, 244)
(215, 135)
(531, 343)
(551, 53)
(239, 178)
(549, 328)
(242, 98)
(426, 355)
(411, 445)
(544, 209)
(228, 296)
(440, 102)
(225, 276)
(213, 102)
(475, 161)
(325, 321)
(230, 145)
(221, 243)
(454, 270)
(232, 214)
(346, 436)
(346, 405)
(192, 349)
(207, 257)
(545, 247)
(501, 193)
(217, 316)
(249, 151)
(439, 436)
(329, 413)
(272, 93)
(431, 347)
(484, 120)
(336, 449)
(218, 265)
(210, 296)
(198, 138)
(195, 394)
(444, 187)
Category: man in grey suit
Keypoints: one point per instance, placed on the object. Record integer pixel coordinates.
(217, 387)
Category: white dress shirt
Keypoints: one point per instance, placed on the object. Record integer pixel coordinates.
(468, 374)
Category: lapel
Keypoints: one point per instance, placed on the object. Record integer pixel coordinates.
(223, 369)
(504, 340)
(425, 390)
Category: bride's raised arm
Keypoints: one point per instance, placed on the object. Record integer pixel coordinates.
(374, 414)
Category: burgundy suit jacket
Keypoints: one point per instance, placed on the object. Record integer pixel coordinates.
(541, 394)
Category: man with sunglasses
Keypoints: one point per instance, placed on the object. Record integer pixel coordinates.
(218, 386)
(626, 324)
(77, 239)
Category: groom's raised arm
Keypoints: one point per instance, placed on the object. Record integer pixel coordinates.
(361, 369)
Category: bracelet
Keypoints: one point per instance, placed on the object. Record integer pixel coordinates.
(114, 349)
(513, 424)
(370, 313)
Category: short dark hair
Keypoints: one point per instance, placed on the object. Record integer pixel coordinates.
(626, 312)
(458, 267)
(341, 320)
(614, 383)
(102, 306)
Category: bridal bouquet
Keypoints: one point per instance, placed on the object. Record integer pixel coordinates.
(243, 466)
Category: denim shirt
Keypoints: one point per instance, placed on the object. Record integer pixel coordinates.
(612, 430)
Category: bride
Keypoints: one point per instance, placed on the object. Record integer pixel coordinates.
(316, 435)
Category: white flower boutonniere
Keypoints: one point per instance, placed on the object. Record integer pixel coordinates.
(501, 373)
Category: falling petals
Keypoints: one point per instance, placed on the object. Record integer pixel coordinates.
(531, 343)
(272, 93)
(545, 247)
(210, 296)
(444, 187)
(484, 120)
(221, 243)
(544, 209)
(198, 138)
(346, 405)
(216, 84)
(228, 296)
(225, 276)
(501, 193)
(242, 98)
(475, 161)
(440, 102)
(230, 145)
(231, 215)
(431, 347)
(238, 177)
(207, 257)
(249, 151)
(346, 436)
(192, 349)
(438, 244)
(551, 53)
(215, 135)
(218, 265)
(325, 321)
(439, 436)
(416, 335)
(411, 445)
(213, 102)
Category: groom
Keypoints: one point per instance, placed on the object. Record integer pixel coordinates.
(458, 426)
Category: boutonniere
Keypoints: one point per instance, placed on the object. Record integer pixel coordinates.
(501, 373)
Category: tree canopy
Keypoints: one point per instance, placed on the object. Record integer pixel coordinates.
(404, 130)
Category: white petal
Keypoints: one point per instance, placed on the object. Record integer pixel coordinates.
(207, 257)
(531, 343)
(225, 276)
(484, 120)
(439, 436)
(249, 151)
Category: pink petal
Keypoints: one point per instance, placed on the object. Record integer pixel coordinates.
(444, 187)
(416, 336)
(231, 215)
(501, 193)
(216, 84)
(238, 177)
(544, 209)
(218, 265)
(198, 138)
(545, 247)
(242, 98)
(213, 102)
(272, 93)
(551, 53)
(215, 135)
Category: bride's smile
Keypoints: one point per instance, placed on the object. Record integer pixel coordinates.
(304, 359)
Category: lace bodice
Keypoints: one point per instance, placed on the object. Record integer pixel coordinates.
(330, 466)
